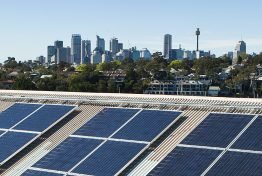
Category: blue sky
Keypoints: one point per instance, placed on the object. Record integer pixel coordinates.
(28, 26)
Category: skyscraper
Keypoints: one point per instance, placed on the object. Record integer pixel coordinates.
(167, 45)
(58, 44)
(100, 43)
(120, 47)
(114, 46)
(239, 49)
(63, 55)
(76, 48)
(51, 51)
(85, 51)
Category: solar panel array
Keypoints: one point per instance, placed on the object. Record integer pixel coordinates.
(107, 143)
(223, 144)
(22, 123)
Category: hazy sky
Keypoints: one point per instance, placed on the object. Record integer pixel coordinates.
(28, 26)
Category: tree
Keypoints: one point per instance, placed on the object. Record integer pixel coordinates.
(102, 86)
(23, 82)
(176, 64)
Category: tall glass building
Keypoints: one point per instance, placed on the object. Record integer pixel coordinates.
(167, 45)
(86, 51)
(100, 43)
(240, 48)
(114, 46)
(76, 48)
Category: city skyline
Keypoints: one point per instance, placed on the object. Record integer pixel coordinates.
(143, 27)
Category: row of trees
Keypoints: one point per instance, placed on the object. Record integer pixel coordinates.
(89, 78)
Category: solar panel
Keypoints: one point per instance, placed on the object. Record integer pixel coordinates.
(67, 154)
(185, 161)
(39, 173)
(16, 113)
(106, 122)
(147, 125)
(109, 158)
(238, 164)
(251, 139)
(44, 117)
(217, 130)
(11, 142)
(28, 118)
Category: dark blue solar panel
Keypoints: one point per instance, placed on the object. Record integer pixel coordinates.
(106, 122)
(16, 113)
(251, 139)
(66, 155)
(147, 125)
(39, 173)
(44, 117)
(185, 161)
(238, 164)
(11, 142)
(109, 158)
(1, 132)
(217, 130)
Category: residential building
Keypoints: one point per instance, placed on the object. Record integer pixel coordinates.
(177, 87)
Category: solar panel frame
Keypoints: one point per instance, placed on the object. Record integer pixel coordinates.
(31, 172)
(160, 133)
(34, 109)
(190, 139)
(189, 165)
(54, 123)
(20, 149)
(102, 150)
(50, 161)
(152, 141)
(237, 161)
(98, 116)
(147, 144)
(39, 134)
(251, 139)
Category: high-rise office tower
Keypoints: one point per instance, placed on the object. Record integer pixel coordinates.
(58, 44)
(85, 51)
(239, 49)
(100, 43)
(120, 47)
(114, 46)
(51, 51)
(76, 48)
(167, 45)
(63, 55)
